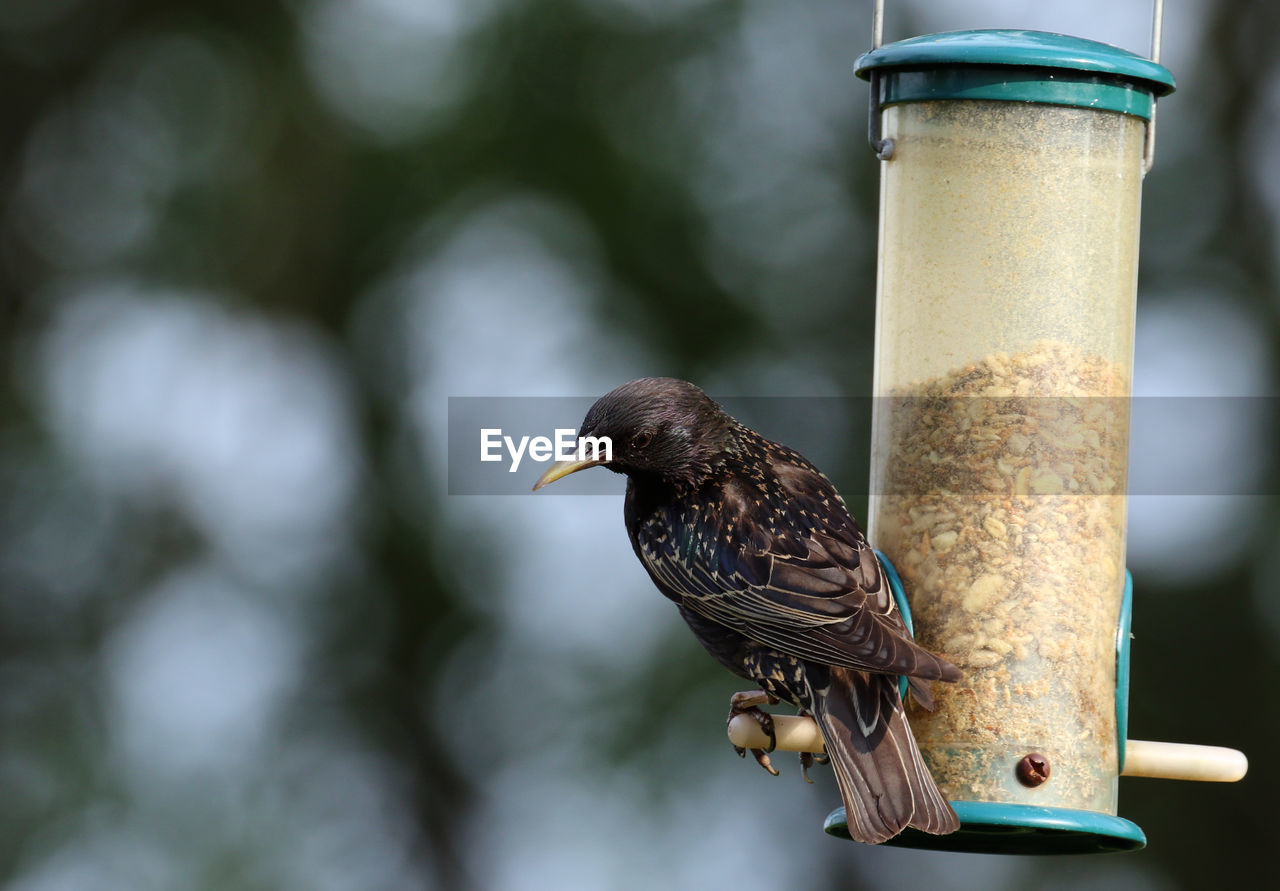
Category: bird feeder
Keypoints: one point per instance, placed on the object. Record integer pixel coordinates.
(1012, 164)
(1007, 288)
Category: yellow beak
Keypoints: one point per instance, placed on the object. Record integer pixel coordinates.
(562, 469)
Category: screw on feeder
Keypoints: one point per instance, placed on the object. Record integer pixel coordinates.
(1033, 770)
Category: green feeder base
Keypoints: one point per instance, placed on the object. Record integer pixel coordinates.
(988, 827)
(991, 828)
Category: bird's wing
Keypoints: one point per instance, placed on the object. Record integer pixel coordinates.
(802, 580)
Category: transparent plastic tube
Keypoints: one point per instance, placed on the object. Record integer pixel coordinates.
(1004, 343)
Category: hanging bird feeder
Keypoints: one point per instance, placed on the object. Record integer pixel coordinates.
(1008, 257)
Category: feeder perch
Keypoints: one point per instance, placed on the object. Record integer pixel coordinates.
(1012, 164)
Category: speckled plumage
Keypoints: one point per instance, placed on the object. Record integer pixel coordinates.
(776, 580)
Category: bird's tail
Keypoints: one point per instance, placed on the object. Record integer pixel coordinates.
(883, 781)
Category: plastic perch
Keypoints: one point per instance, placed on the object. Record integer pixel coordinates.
(1170, 761)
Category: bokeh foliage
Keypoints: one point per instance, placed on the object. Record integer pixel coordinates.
(247, 251)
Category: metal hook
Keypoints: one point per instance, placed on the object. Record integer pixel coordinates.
(1157, 28)
(881, 146)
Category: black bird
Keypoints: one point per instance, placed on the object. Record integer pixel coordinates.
(776, 580)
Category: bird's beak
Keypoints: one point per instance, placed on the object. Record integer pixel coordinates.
(562, 469)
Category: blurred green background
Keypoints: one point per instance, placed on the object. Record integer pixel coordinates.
(247, 252)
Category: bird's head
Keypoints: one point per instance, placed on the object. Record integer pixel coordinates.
(659, 428)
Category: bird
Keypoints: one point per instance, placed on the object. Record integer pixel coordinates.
(776, 580)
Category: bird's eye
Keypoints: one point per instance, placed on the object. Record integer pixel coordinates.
(642, 439)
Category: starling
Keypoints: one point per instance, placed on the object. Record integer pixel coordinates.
(776, 580)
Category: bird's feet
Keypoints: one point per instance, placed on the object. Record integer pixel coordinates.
(808, 759)
(749, 703)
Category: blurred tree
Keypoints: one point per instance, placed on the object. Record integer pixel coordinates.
(247, 639)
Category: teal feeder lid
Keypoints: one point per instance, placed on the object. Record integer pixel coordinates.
(1015, 66)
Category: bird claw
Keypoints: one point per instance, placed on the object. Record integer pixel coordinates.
(762, 759)
(808, 759)
(749, 703)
